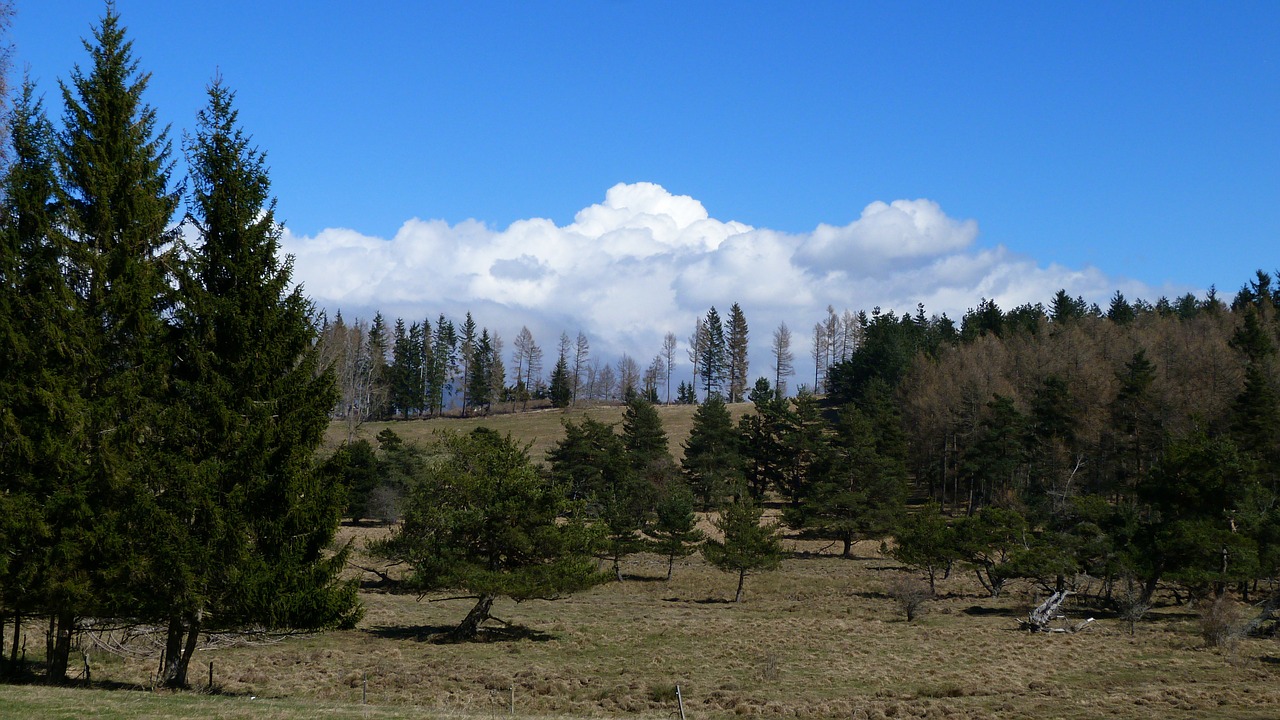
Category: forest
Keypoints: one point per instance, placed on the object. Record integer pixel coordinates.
(167, 387)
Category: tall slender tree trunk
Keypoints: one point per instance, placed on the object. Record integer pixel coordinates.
(742, 577)
(471, 623)
(59, 647)
(17, 632)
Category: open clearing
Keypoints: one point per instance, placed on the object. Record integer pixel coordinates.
(818, 638)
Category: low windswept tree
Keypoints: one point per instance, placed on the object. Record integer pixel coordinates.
(483, 520)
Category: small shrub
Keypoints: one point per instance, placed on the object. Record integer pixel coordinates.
(384, 504)
(1130, 605)
(769, 667)
(1222, 622)
(911, 594)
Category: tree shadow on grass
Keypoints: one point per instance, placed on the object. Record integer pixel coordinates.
(443, 634)
(980, 611)
(644, 578)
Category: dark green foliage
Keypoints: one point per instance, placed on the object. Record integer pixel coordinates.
(482, 373)
(712, 363)
(889, 344)
(481, 519)
(674, 531)
(592, 464)
(644, 437)
(988, 541)
(1138, 434)
(42, 355)
(748, 546)
(806, 448)
(114, 170)
(405, 372)
(1064, 309)
(1206, 510)
(762, 434)
(992, 466)
(247, 376)
(1121, 312)
(855, 491)
(736, 346)
(354, 467)
(924, 541)
(712, 463)
(561, 389)
(686, 394)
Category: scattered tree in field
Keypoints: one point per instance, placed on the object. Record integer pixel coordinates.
(910, 594)
(481, 519)
(712, 463)
(712, 360)
(748, 546)
(674, 532)
(924, 541)
(736, 346)
(561, 388)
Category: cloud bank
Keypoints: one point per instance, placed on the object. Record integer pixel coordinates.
(645, 262)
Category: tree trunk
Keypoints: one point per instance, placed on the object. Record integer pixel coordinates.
(59, 646)
(188, 649)
(471, 624)
(848, 547)
(180, 645)
(173, 652)
(17, 630)
(742, 576)
(671, 563)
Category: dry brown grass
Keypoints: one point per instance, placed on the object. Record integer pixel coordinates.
(818, 638)
(541, 428)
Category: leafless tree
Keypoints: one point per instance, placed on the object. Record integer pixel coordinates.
(669, 357)
(783, 359)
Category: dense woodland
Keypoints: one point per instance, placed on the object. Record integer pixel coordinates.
(165, 392)
(162, 398)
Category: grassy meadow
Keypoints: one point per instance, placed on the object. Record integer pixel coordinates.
(820, 637)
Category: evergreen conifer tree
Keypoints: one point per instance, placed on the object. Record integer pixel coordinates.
(736, 353)
(258, 409)
(748, 546)
(483, 520)
(561, 389)
(114, 170)
(712, 463)
(41, 353)
(674, 531)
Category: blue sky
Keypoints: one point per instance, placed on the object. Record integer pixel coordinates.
(1092, 146)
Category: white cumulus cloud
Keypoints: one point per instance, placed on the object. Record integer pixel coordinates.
(645, 261)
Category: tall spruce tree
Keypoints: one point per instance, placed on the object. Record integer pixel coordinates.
(712, 463)
(736, 353)
(711, 354)
(115, 168)
(41, 351)
(255, 517)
